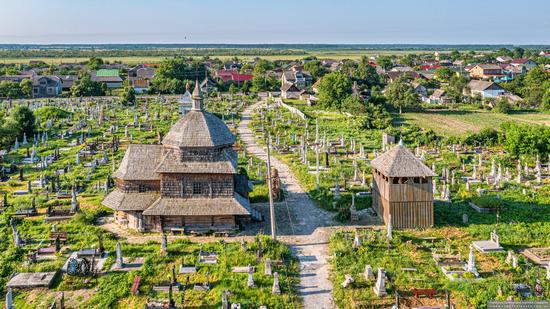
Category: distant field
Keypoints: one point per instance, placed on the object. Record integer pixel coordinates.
(325, 54)
(460, 122)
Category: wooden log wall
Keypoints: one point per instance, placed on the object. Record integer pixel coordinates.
(184, 185)
(409, 200)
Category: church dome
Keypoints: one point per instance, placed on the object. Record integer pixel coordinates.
(198, 129)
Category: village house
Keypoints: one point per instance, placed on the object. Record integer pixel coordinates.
(504, 59)
(487, 89)
(67, 81)
(46, 86)
(290, 91)
(393, 75)
(420, 89)
(545, 53)
(486, 71)
(301, 79)
(109, 77)
(528, 64)
(233, 75)
(439, 97)
(402, 189)
(189, 183)
(140, 78)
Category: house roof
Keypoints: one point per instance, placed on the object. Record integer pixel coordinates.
(438, 93)
(393, 75)
(227, 75)
(236, 205)
(139, 163)
(520, 61)
(107, 79)
(106, 73)
(481, 85)
(119, 200)
(400, 162)
(223, 163)
(198, 128)
(489, 66)
(289, 87)
(51, 80)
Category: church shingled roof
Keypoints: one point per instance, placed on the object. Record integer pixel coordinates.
(199, 129)
(139, 163)
(400, 162)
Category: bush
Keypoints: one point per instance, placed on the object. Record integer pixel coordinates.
(486, 136)
(503, 106)
(486, 201)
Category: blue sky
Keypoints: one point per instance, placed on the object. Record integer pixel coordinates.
(281, 21)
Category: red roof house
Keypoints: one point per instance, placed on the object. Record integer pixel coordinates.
(233, 75)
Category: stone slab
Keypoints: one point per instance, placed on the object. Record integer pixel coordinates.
(31, 280)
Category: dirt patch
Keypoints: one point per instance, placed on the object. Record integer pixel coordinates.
(42, 298)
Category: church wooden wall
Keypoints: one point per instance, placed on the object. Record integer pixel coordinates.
(138, 185)
(157, 223)
(181, 185)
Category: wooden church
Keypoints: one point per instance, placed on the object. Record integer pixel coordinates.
(402, 187)
(190, 182)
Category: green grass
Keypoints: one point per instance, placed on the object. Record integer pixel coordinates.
(112, 289)
(523, 222)
(460, 122)
(320, 54)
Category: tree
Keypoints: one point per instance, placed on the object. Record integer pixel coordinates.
(354, 104)
(518, 52)
(128, 96)
(334, 88)
(400, 94)
(456, 86)
(365, 74)
(443, 74)
(262, 66)
(315, 68)
(85, 86)
(232, 89)
(534, 82)
(546, 97)
(24, 120)
(181, 69)
(502, 106)
(384, 62)
(94, 63)
(26, 87)
(10, 89)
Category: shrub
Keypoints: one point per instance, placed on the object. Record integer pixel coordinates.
(486, 201)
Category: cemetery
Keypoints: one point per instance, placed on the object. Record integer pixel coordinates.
(440, 221)
(53, 184)
(485, 202)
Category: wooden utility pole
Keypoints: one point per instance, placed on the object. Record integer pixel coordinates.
(270, 187)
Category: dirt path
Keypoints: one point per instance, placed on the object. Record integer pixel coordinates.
(300, 223)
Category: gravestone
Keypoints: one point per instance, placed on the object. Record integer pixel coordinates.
(250, 281)
(348, 280)
(267, 270)
(164, 245)
(119, 259)
(389, 232)
(9, 299)
(368, 274)
(357, 241)
(380, 286)
(276, 289)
